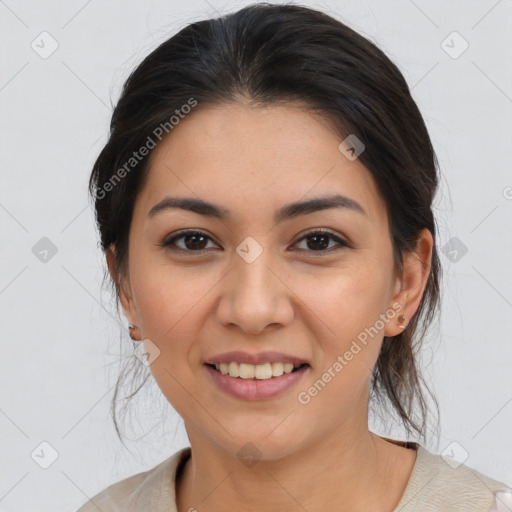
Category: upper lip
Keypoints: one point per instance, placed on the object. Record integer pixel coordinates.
(259, 358)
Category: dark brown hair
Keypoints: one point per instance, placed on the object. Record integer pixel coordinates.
(266, 54)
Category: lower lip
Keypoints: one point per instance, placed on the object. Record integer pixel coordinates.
(256, 389)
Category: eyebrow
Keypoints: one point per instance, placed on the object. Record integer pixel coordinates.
(287, 212)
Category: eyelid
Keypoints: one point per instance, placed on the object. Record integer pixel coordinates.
(324, 231)
(170, 241)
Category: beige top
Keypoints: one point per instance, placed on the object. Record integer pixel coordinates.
(433, 486)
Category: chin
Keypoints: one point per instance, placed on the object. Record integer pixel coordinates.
(257, 445)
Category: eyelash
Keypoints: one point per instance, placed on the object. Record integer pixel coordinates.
(169, 243)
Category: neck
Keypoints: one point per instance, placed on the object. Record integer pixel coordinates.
(352, 469)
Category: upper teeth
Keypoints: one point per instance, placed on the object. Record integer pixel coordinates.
(258, 371)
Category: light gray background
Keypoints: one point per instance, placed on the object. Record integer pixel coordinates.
(60, 342)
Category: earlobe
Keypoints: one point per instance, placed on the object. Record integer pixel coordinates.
(398, 305)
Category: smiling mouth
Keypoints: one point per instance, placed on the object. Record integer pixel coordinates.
(264, 371)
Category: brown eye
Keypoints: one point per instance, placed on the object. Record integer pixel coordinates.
(193, 241)
(319, 240)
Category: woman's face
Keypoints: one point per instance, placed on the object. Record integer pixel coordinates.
(254, 282)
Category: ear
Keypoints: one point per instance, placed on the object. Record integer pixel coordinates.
(410, 286)
(123, 286)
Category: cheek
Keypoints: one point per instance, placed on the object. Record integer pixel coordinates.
(173, 303)
(170, 298)
(347, 306)
(170, 310)
(346, 299)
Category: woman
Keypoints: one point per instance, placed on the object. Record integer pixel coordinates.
(265, 206)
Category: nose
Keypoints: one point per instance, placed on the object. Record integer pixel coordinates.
(255, 296)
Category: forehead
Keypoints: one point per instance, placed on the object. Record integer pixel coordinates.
(244, 157)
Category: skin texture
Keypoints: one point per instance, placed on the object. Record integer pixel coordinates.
(303, 302)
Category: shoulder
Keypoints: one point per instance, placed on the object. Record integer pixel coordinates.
(149, 490)
(439, 484)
